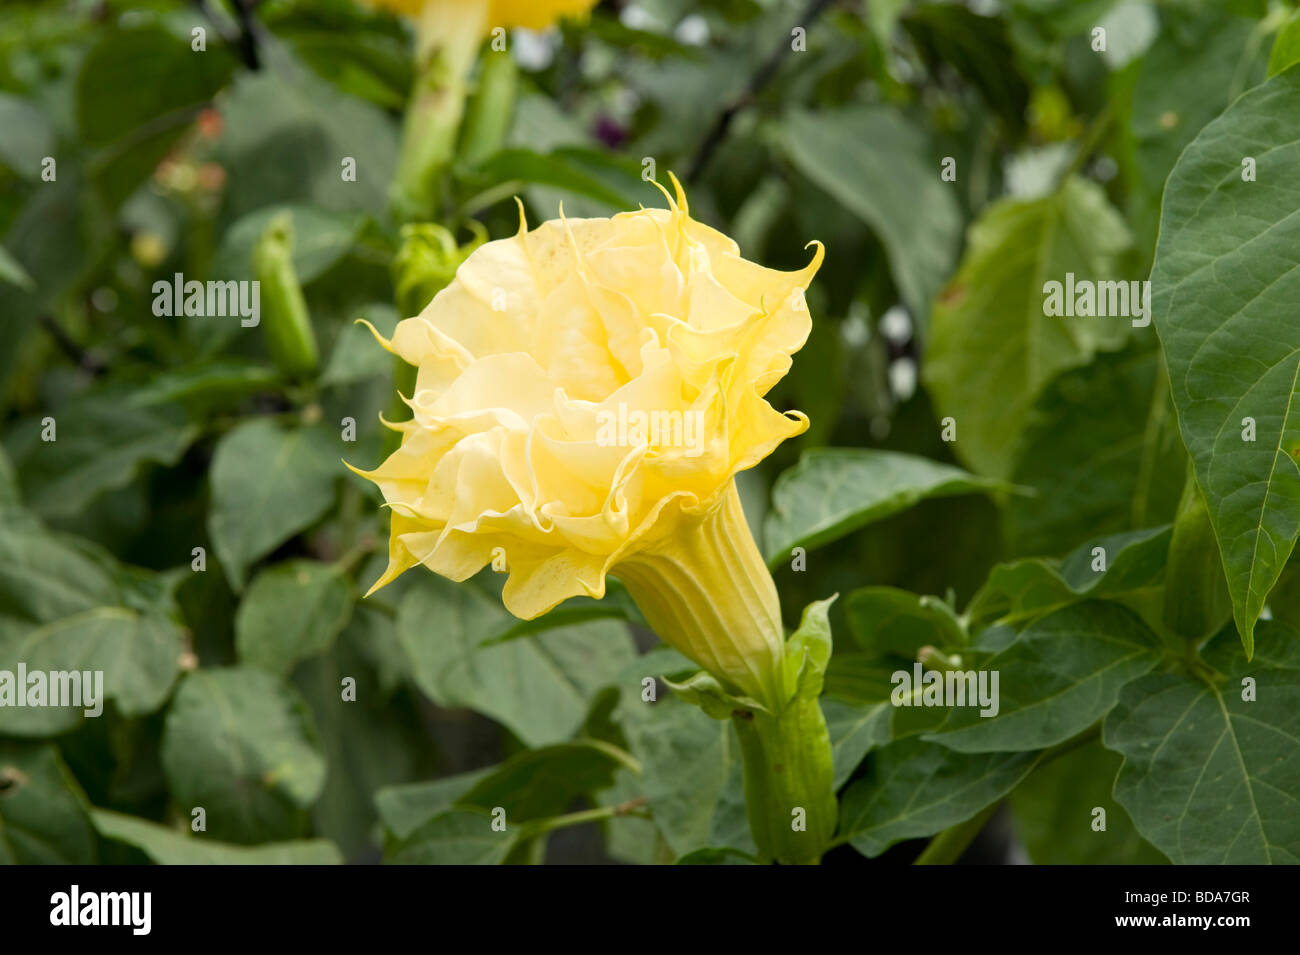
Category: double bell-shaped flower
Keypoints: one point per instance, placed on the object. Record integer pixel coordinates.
(586, 393)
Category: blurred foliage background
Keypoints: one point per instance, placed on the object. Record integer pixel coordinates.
(177, 433)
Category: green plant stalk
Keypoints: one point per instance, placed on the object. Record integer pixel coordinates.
(1196, 604)
(948, 846)
(448, 38)
(788, 768)
(491, 108)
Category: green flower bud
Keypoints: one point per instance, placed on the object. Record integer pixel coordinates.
(285, 320)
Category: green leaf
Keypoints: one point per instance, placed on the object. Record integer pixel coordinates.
(292, 611)
(889, 620)
(268, 483)
(43, 818)
(832, 492)
(1061, 675)
(457, 837)
(1053, 812)
(356, 355)
(369, 740)
(167, 846)
(404, 809)
(1024, 590)
(206, 386)
(138, 91)
(916, 789)
(856, 729)
(1103, 454)
(321, 239)
(1209, 777)
(239, 743)
(1286, 48)
(138, 655)
(544, 782)
(691, 773)
(990, 334)
(537, 687)
(45, 576)
(1223, 286)
(102, 439)
(881, 167)
(1200, 62)
(287, 132)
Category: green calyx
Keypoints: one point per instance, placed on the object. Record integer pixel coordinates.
(787, 754)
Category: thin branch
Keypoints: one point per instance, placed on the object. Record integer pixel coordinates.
(230, 39)
(79, 356)
(765, 73)
(247, 30)
(245, 41)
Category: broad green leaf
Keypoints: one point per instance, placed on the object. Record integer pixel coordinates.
(102, 439)
(403, 809)
(43, 813)
(456, 837)
(1223, 287)
(45, 576)
(1286, 48)
(882, 168)
(137, 93)
(287, 131)
(543, 782)
(990, 334)
(137, 654)
(832, 492)
(1054, 813)
(369, 740)
(1061, 675)
(167, 846)
(292, 611)
(1199, 63)
(268, 483)
(1211, 770)
(321, 238)
(239, 743)
(356, 357)
(975, 46)
(889, 620)
(856, 729)
(1024, 590)
(916, 789)
(1102, 453)
(691, 773)
(206, 386)
(537, 687)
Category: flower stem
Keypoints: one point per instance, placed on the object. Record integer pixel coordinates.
(448, 37)
(788, 781)
(947, 847)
